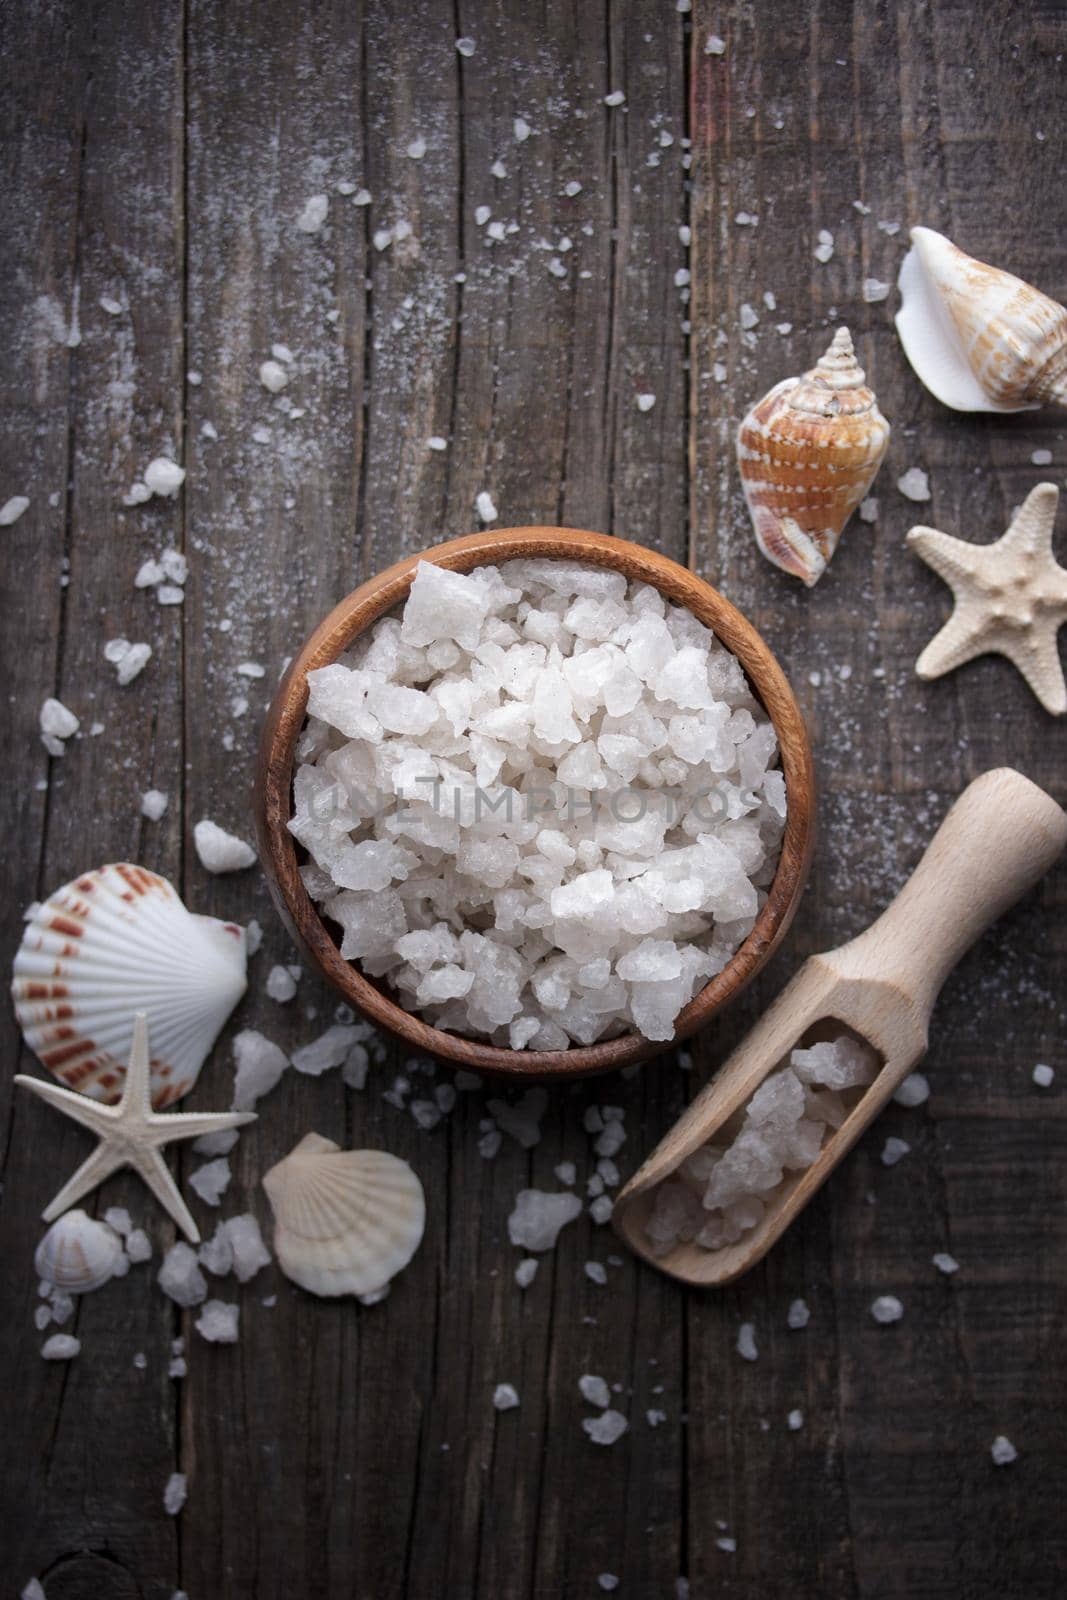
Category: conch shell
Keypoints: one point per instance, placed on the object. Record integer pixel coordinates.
(78, 1253)
(346, 1221)
(808, 452)
(979, 338)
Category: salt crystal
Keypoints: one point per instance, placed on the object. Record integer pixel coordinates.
(149, 574)
(118, 1218)
(42, 1316)
(174, 1493)
(253, 936)
(746, 1342)
(280, 985)
(169, 594)
(727, 1544)
(483, 504)
(314, 213)
(521, 129)
(138, 1246)
(1043, 1076)
(887, 1308)
(273, 376)
(601, 1210)
(868, 509)
(914, 484)
(1040, 458)
(435, 442)
(526, 1272)
(713, 45)
(60, 1347)
(607, 1428)
(211, 1181)
(566, 1172)
(748, 318)
(645, 401)
(12, 509)
(1003, 1451)
(56, 721)
(164, 477)
(416, 149)
(945, 1263)
(538, 1217)
(875, 290)
(615, 98)
(465, 47)
(798, 1315)
(329, 1050)
(220, 851)
(249, 1252)
(153, 804)
(522, 1120)
(180, 1277)
(382, 238)
(594, 1390)
(596, 1272)
(259, 1063)
(505, 1397)
(607, 1581)
(35, 1591)
(795, 1421)
(825, 247)
(217, 1322)
(894, 1150)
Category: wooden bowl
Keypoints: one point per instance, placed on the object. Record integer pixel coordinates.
(364, 606)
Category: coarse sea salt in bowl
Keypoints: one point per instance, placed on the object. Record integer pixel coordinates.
(495, 885)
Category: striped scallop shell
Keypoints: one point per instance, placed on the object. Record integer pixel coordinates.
(112, 943)
(346, 1221)
(808, 452)
(979, 338)
(78, 1253)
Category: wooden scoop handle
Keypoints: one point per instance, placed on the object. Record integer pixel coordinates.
(1000, 837)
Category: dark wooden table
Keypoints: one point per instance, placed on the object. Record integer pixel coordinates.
(159, 153)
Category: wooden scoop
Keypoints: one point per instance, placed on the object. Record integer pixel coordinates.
(999, 838)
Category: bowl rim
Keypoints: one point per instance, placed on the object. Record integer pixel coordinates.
(379, 594)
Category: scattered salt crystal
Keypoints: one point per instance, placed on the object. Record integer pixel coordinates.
(273, 376)
(42, 1316)
(894, 1150)
(280, 985)
(746, 1342)
(825, 247)
(594, 1390)
(607, 1428)
(945, 1263)
(416, 149)
(601, 1209)
(526, 1272)
(164, 477)
(887, 1308)
(538, 1217)
(110, 305)
(382, 238)
(489, 1146)
(645, 401)
(253, 936)
(149, 574)
(914, 484)
(128, 659)
(211, 1181)
(259, 1063)
(483, 504)
(874, 290)
(655, 1416)
(138, 1246)
(498, 170)
(596, 1272)
(169, 594)
(220, 851)
(727, 1544)
(521, 1120)
(180, 1277)
(249, 1252)
(566, 1172)
(60, 1347)
(795, 1421)
(217, 1322)
(118, 1218)
(505, 1397)
(56, 721)
(137, 494)
(1043, 1076)
(607, 1581)
(1040, 458)
(869, 509)
(153, 804)
(890, 228)
(329, 1050)
(362, 197)
(748, 317)
(465, 47)
(35, 1591)
(174, 1494)
(615, 98)
(713, 45)
(313, 214)
(12, 509)
(521, 129)
(1003, 1451)
(435, 442)
(798, 1315)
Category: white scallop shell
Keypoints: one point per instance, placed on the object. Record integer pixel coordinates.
(112, 943)
(78, 1253)
(346, 1221)
(978, 337)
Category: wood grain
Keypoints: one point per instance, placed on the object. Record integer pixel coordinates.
(159, 155)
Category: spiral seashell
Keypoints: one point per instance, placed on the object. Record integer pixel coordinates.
(808, 452)
(78, 1253)
(346, 1221)
(115, 942)
(979, 338)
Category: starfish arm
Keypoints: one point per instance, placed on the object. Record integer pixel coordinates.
(957, 642)
(1038, 659)
(137, 1089)
(162, 1129)
(100, 1119)
(952, 559)
(100, 1165)
(1031, 527)
(150, 1165)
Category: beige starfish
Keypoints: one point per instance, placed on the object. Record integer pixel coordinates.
(131, 1134)
(1011, 598)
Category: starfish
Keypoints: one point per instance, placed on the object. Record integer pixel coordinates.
(1011, 598)
(131, 1134)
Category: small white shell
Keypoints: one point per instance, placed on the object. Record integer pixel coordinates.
(979, 338)
(115, 942)
(346, 1221)
(78, 1253)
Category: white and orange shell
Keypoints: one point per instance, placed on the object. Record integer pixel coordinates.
(115, 942)
(808, 452)
(346, 1221)
(979, 338)
(78, 1253)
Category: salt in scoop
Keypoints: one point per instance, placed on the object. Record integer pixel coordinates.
(999, 838)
